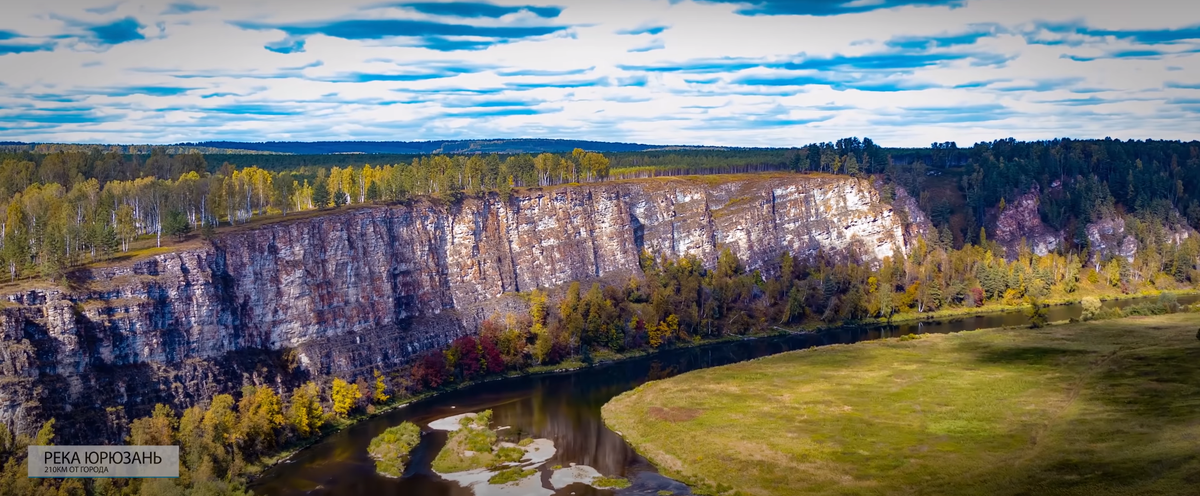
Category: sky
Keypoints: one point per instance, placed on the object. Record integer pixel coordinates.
(698, 72)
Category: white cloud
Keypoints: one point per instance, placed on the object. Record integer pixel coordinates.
(198, 75)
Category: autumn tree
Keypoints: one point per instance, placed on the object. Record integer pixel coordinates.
(1037, 313)
(155, 430)
(380, 395)
(260, 415)
(344, 397)
(305, 414)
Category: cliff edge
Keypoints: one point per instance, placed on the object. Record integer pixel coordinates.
(352, 291)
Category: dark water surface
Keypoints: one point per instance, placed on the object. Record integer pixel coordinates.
(565, 408)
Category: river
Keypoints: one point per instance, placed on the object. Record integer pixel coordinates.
(565, 408)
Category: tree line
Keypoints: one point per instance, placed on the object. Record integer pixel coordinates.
(48, 227)
(74, 206)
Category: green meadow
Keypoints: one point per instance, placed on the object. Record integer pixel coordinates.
(1097, 408)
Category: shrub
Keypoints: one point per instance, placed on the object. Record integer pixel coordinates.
(977, 296)
(1091, 307)
(1037, 313)
(430, 373)
(511, 475)
(611, 483)
(1169, 302)
(1145, 309)
(509, 454)
(468, 362)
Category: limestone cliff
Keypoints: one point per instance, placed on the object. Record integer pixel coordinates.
(1107, 238)
(354, 290)
(1020, 222)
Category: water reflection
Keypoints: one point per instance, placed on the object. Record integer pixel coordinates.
(564, 408)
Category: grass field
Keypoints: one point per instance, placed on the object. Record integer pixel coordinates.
(1097, 408)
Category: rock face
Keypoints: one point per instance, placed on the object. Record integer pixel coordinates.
(1021, 220)
(370, 288)
(1108, 239)
(916, 223)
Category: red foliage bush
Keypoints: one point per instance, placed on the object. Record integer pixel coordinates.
(468, 357)
(430, 372)
(491, 354)
(977, 296)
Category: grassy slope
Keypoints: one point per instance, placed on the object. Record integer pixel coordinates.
(1110, 407)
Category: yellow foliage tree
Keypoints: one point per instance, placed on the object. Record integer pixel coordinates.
(672, 323)
(668, 328)
(345, 395)
(1012, 296)
(156, 430)
(305, 413)
(655, 333)
(220, 421)
(380, 388)
(260, 412)
(1112, 273)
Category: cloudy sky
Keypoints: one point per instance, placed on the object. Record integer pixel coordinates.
(720, 72)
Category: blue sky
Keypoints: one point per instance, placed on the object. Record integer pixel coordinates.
(717, 72)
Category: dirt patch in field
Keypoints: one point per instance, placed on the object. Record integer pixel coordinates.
(674, 414)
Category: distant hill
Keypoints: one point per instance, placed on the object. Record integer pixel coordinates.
(522, 145)
(428, 147)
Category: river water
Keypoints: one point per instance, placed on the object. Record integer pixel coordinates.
(565, 408)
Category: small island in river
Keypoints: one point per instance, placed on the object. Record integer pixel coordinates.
(391, 449)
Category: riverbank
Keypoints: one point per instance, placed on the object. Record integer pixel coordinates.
(335, 425)
(1104, 407)
(600, 358)
(1000, 308)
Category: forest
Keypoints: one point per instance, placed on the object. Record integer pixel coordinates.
(68, 208)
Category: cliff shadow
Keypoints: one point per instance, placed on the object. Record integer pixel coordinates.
(639, 232)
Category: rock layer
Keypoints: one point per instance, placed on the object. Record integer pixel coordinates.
(370, 288)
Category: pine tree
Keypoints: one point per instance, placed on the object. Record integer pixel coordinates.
(851, 165)
(320, 193)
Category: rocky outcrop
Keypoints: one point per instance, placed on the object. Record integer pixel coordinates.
(916, 222)
(1020, 221)
(372, 287)
(1111, 237)
(1107, 239)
